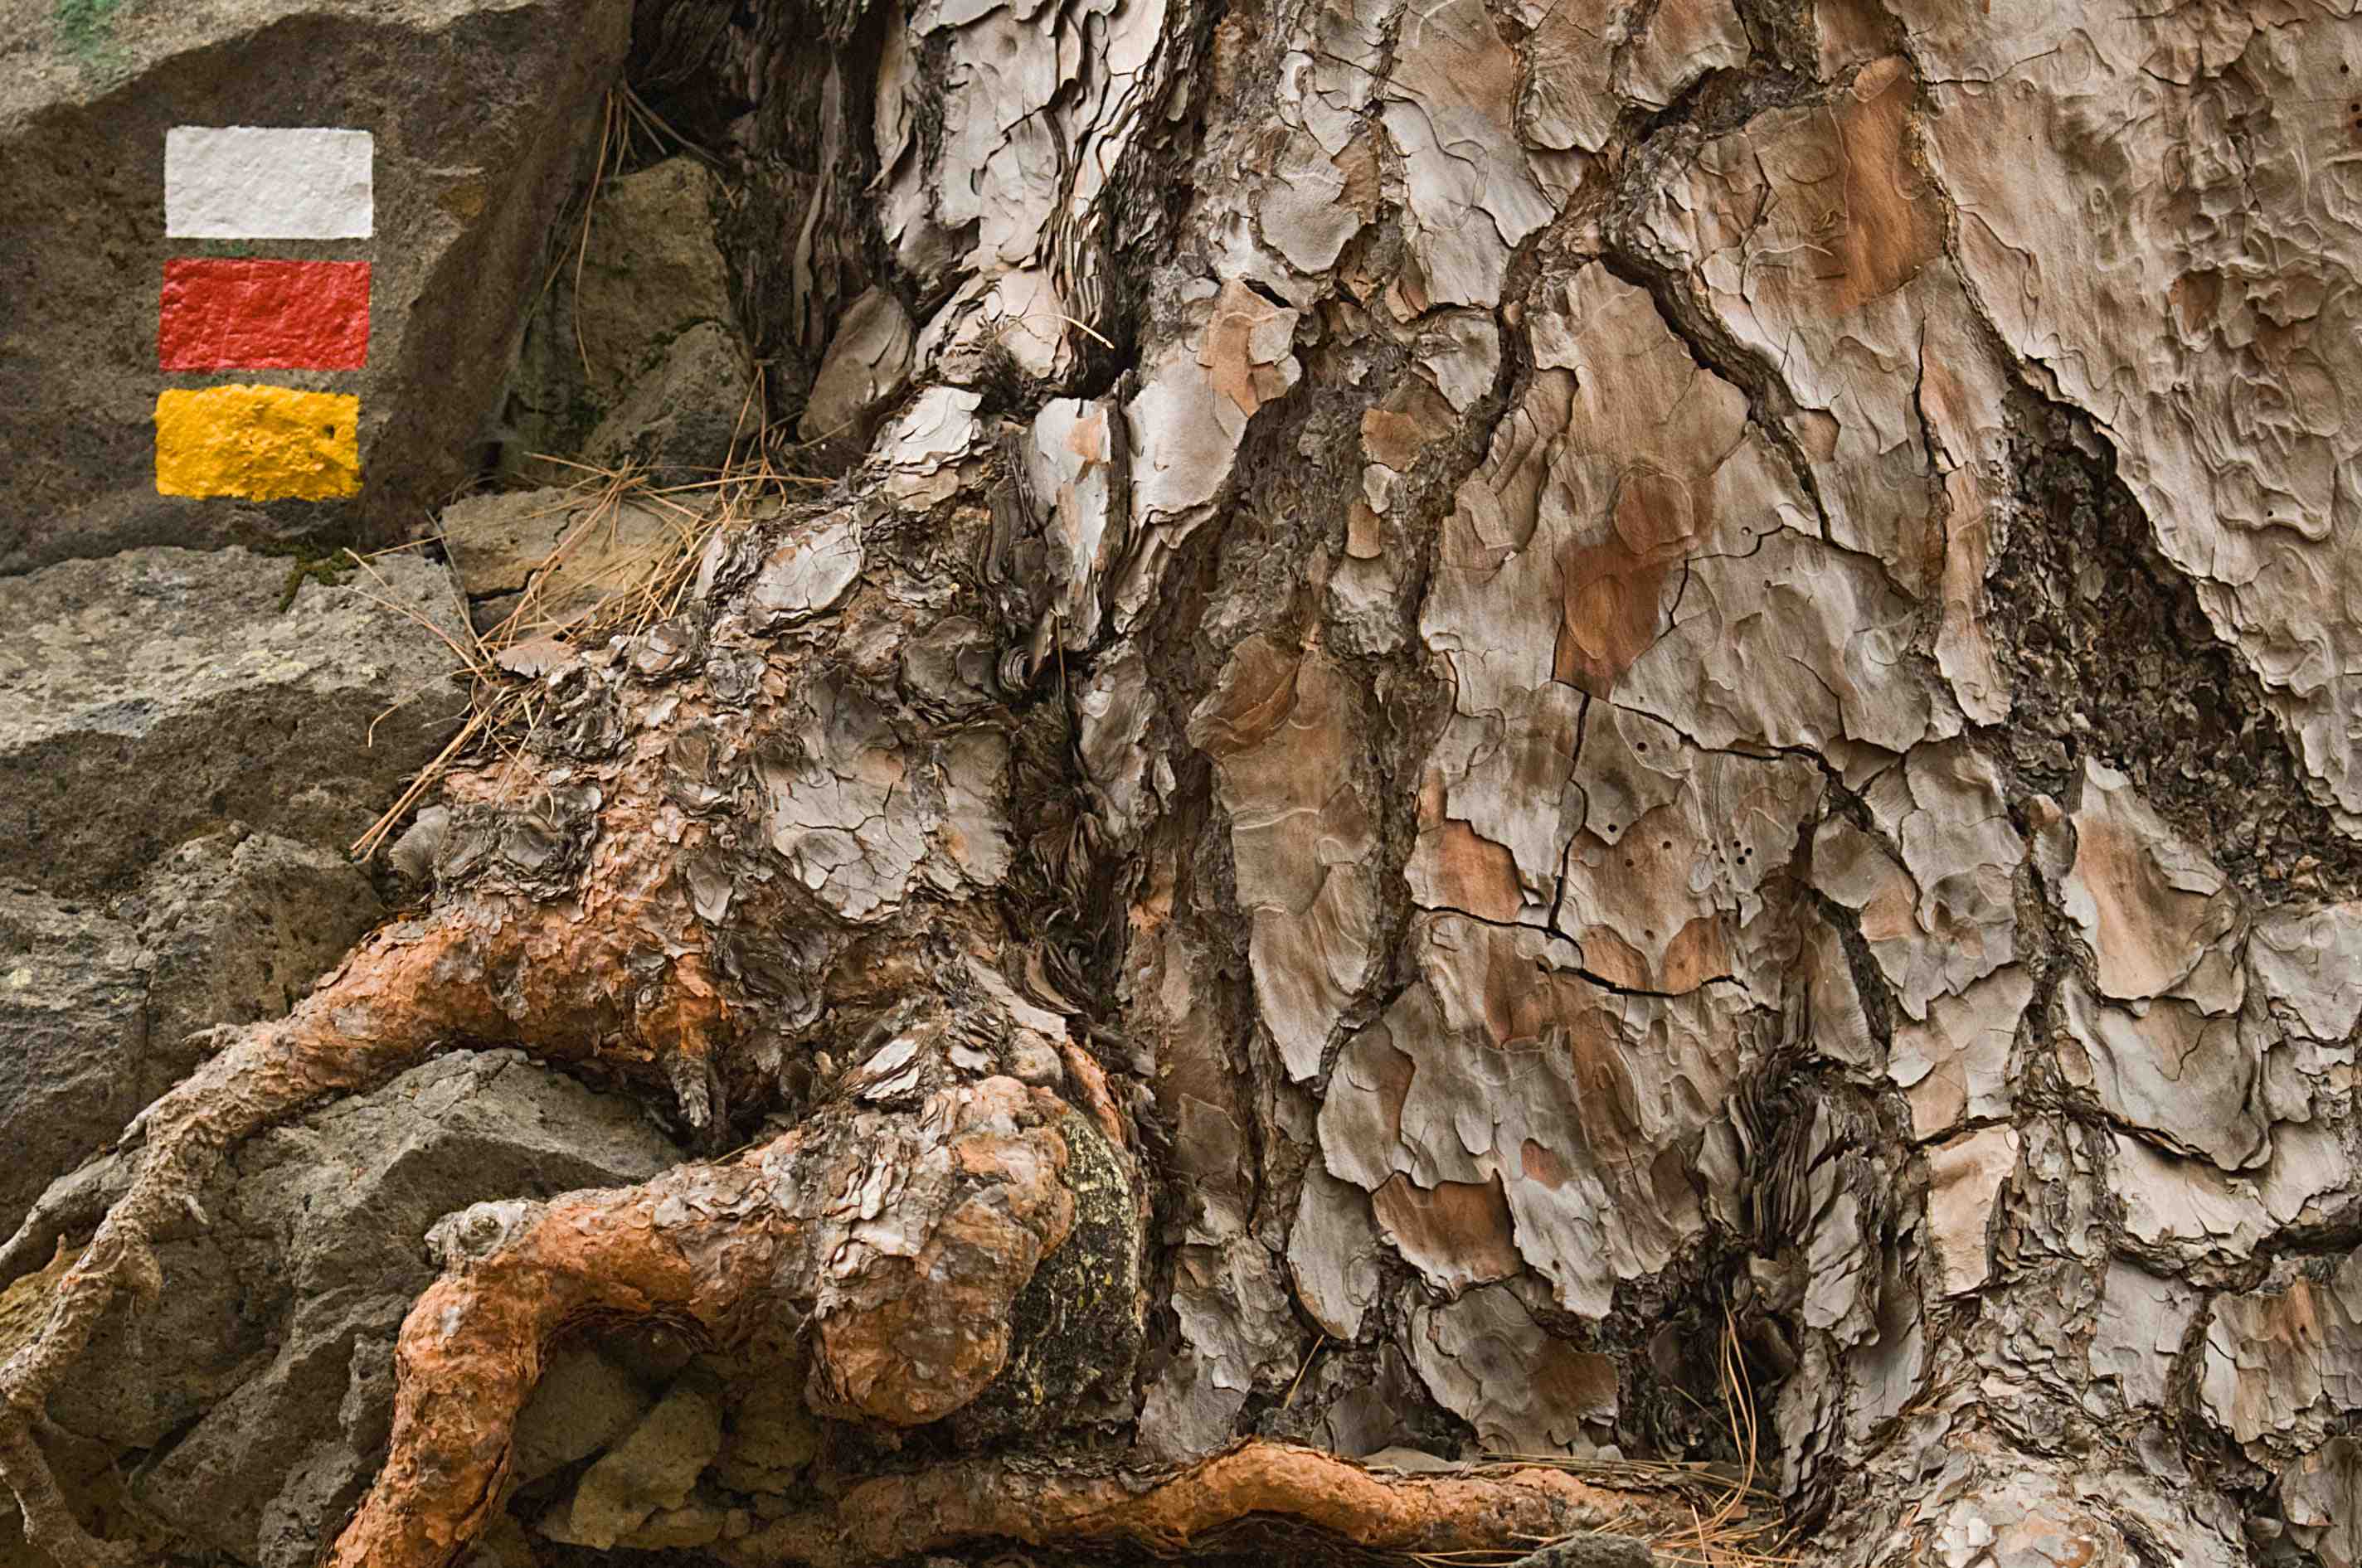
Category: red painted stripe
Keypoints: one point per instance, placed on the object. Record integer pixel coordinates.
(222, 314)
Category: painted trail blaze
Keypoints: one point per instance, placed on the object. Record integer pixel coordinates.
(261, 443)
(255, 441)
(259, 182)
(264, 315)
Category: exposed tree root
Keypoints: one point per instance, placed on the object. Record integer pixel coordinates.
(526, 974)
(48, 1519)
(940, 1508)
(379, 1014)
(905, 1235)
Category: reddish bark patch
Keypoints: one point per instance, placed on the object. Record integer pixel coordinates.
(223, 314)
(1614, 587)
(1456, 1230)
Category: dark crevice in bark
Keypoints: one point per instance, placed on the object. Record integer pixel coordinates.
(1577, 970)
(1877, 999)
(1666, 1333)
(1652, 148)
(1785, 30)
(2111, 658)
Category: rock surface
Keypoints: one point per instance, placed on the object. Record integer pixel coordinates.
(479, 111)
(74, 1014)
(676, 425)
(569, 550)
(583, 1402)
(236, 926)
(638, 353)
(162, 693)
(100, 1005)
(648, 1475)
(1590, 1551)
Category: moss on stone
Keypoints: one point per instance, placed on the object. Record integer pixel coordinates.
(333, 569)
(87, 27)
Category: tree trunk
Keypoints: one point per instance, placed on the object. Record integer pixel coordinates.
(1590, 732)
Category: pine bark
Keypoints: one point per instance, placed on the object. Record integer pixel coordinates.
(1634, 712)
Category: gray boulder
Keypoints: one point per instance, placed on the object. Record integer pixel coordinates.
(645, 360)
(74, 1039)
(161, 694)
(483, 112)
(235, 927)
(677, 422)
(267, 1396)
(583, 1402)
(652, 1471)
(574, 550)
(99, 1005)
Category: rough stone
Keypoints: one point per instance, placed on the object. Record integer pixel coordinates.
(583, 1402)
(1591, 1549)
(651, 273)
(650, 1473)
(162, 693)
(771, 1436)
(74, 1018)
(504, 1544)
(480, 112)
(698, 1522)
(503, 543)
(676, 425)
(650, 268)
(235, 926)
(100, 1006)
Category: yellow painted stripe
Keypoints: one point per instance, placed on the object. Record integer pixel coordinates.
(262, 443)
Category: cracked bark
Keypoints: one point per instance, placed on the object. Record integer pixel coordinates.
(1571, 674)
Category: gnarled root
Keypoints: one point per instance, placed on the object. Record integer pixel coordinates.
(902, 1238)
(907, 1235)
(49, 1522)
(1509, 1508)
(359, 1027)
(397, 997)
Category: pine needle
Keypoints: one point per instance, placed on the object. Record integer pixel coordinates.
(1735, 1522)
(637, 590)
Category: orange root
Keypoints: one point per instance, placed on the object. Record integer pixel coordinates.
(1506, 1509)
(906, 1235)
(399, 996)
(470, 1351)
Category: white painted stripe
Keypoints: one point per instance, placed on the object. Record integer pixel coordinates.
(250, 182)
